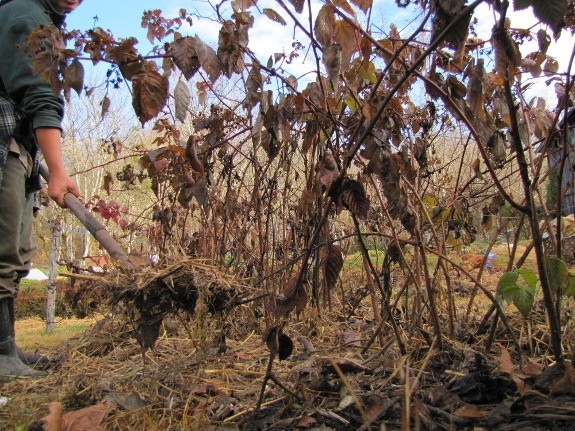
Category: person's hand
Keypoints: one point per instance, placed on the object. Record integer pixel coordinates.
(59, 184)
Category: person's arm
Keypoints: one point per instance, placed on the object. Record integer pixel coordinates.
(50, 143)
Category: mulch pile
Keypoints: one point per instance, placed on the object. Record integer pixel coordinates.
(182, 350)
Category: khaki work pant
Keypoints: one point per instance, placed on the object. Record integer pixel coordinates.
(17, 246)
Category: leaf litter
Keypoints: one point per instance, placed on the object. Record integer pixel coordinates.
(203, 365)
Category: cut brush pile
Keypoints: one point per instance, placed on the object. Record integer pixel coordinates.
(203, 367)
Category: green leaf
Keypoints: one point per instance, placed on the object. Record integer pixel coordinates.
(524, 300)
(570, 290)
(521, 295)
(507, 286)
(529, 277)
(557, 273)
(551, 12)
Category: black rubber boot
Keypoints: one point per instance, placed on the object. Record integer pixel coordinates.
(11, 366)
(29, 359)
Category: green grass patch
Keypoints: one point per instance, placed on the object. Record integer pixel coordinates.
(31, 334)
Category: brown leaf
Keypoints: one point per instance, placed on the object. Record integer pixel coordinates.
(274, 16)
(191, 154)
(183, 51)
(232, 41)
(470, 412)
(88, 419)
(74, 76)
(150, 93)
(507, 52)
(278, 343)
(505, 362)
(331, 260)
(364, 5)
(531, 369)
(53, 421)
(254, 86)
(345, 6)
(354, 198)
(297, 5)
(324, 26)
(566, 384)
(475, 98)
(242, 5)
(106, 102)
(182, 98)
(294, 297)
(108, 182)
(348, 38)
(332, 62)
(208, 59)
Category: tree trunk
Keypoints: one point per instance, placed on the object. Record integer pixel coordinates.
(53, 275)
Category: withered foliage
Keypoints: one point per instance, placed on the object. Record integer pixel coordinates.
(269, 171)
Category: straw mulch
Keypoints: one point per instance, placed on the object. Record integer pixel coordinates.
(207, 366)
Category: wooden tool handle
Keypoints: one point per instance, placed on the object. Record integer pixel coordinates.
(94, 226)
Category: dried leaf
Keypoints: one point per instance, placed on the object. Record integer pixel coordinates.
(566, 384)
(551, 12)
(346, 35)
(332, 61)
(254, 87)
(297, 5)
(191, 154)
(505, 362)
(243, 5)
(354, 198)
(324, 26)
(543, 40)
(507, 54)
(551, 67)
(470, 412)
(108, 182)
(150, 94)
(278, 343)
(345, 6)
(202, 92)
(87, 419)
(331, 260)
(232, 41)
(74, 76)
(274, 16)
(364, 5)
(105, 103)
(53, 421)
(208, 59)
(294, 297)
(183, 51)
(475, 91)
(182, 97)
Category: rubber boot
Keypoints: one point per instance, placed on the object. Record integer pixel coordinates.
(29, 359)
(11, 366)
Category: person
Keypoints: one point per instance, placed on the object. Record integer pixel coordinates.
(30, 125)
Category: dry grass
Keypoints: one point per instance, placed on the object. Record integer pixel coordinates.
(31, 333)
(191, 380)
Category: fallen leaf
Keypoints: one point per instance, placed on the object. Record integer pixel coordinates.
(505, 362)
(53, 421)
(88, 419)
(566, 384)
(469, 412)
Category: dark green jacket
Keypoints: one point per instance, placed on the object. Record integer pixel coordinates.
(27, 101)
(32, 96)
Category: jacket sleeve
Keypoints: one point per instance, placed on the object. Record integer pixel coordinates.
(31, 94)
